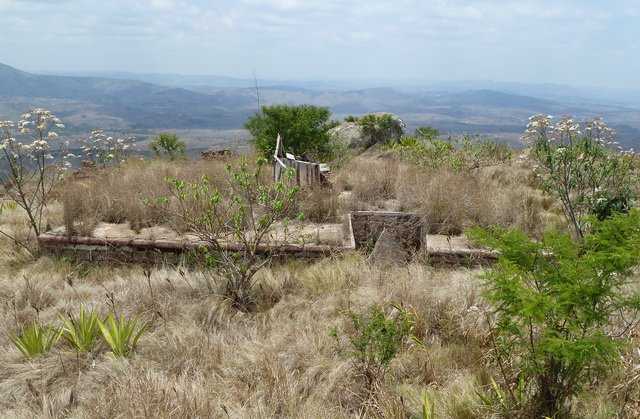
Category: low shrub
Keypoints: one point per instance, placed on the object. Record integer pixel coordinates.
(243, 211)
(36, 339)
(375, 339)
(579, 165)
(466, 153)
(121, 334)
(379, 128)
(168, 145)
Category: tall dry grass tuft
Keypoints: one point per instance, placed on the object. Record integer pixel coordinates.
(370, 179)
(452, 201)
(122, 194)
(319, 204)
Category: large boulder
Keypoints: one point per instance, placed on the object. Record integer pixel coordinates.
(368, 131)
(348, 134)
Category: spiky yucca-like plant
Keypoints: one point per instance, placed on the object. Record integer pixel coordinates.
(121, 334)
(82, 332)
(36, 339)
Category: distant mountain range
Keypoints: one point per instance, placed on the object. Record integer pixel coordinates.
(145, 103)
(132, 104)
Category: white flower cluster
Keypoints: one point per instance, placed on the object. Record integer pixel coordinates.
(103, 149)
(566, 131)
(32, 137)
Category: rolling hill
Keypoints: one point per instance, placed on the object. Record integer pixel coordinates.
(143, 104)
(139, 105)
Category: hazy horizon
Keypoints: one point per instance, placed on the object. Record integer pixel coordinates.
(577, 43)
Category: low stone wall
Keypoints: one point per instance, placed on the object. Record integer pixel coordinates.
(129, 250)
(367, 226)
(362, 231)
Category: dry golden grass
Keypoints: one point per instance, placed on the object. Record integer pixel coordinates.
(370, 179)
(118, 195)
(201, 358)
(453, 201)
(319, 204)
(450, 201)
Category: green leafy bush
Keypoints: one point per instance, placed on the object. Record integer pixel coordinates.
(36, 339)
(81, 332)
(375, 339)
(121, 334)
(168, 145)
(304, 130)
(427, 151)
(561, 309)
(427, 133)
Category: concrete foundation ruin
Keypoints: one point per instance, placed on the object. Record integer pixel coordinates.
(404, 238)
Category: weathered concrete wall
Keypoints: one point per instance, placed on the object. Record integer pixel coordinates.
(130, 250)
(367, 226)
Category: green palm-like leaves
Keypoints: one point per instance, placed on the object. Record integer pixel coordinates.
(121, 334)
(81, 332)
(36, 339)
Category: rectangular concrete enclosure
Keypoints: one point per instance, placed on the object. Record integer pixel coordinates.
(367, 226)
(361, 232)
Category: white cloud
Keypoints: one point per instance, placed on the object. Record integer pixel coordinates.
(163, 4)
(292, 36)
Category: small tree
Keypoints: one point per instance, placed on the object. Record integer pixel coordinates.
(169, 145)
(303, 128)
(580, 166)
(380, 129)
(235, 222)
(562, 309)
(27, 150)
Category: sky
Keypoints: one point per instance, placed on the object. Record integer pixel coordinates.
(579, 42)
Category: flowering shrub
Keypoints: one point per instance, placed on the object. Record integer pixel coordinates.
(106, 150)
(27, 149)
(583, 166)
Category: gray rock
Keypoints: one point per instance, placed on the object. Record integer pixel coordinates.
(349, 134)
